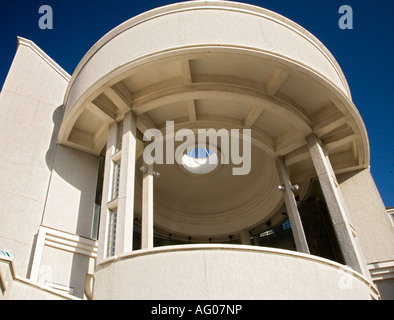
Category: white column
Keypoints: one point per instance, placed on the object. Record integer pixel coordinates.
(125, 213)
(292, 210)
(102, 239)
(340, 218)
(147, 207)
(245, 237)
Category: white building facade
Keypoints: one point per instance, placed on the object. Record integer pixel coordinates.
(84, 216)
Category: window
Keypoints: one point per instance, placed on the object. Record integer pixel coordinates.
(119, 137)
(114, 193)
(111, 233)
(267, 233)
(286, 225)
(115, 179)
(200, 161)
(97, 202)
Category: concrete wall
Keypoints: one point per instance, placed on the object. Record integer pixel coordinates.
(227, 272)
(70, 203)
(69, 274)
(373, 227)
(30, 106)
(386, 288)
(42, 183)
(13, 287)
(368, 214)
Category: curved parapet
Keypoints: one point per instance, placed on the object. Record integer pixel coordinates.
(212, 23)
(227, 272)
(212, 63)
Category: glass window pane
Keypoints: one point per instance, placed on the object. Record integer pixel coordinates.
(115, 180)
(119, 136)
(111, 233)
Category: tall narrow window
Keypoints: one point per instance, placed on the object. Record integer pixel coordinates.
(97, 202)
(115, 179)
(111, 233)
(119, 137)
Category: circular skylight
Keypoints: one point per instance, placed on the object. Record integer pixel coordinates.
(200, 161)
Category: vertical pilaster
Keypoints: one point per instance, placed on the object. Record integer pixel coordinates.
(245, 237)
(125, 212)
(292, 210)
(340, 218)
(102, 239)
(147, 207)
(39, 248)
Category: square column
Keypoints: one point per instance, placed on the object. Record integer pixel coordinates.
(125, 211)
(245, 237)
(339, 214)
(147, 207)
(117, 205)
(292, 210)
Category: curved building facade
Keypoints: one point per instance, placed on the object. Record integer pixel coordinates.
(121, 198)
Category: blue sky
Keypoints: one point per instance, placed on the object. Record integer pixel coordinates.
(365, 53)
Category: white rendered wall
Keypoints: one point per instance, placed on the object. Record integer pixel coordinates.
(14, 287)
(368, 214)
(30, 103)
(227, 272)
(71, 195)
(43, 183)
(373, 227)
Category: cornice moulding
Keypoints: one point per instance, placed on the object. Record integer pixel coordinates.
(44, 56)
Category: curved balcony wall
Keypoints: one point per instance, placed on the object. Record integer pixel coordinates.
(227, 272)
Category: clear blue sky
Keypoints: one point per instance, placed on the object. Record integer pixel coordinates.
(366, 53)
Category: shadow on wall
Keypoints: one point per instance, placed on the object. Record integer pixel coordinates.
(69, 202)
(57, 118)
